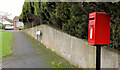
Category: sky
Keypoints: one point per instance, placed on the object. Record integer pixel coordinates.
(13, 7)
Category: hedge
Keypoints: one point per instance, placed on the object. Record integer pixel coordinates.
(71, 17)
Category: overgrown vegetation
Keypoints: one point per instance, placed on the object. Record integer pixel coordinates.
(71, 17)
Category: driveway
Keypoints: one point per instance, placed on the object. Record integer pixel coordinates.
(24, 54)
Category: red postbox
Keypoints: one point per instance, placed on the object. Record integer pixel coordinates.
(99, 28)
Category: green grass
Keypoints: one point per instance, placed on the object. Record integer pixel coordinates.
(6, 43)
(2, 29)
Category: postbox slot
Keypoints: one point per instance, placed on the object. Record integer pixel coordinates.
(91, 18)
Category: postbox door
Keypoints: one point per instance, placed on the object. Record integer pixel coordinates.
(91, 32)
(91, 36)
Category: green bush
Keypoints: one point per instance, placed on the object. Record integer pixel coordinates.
(2, 27)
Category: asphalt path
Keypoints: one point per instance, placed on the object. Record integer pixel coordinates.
(24, 54)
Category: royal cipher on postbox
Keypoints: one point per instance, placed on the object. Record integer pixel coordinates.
(99, 28)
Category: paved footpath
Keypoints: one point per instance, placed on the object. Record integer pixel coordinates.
(24, 54)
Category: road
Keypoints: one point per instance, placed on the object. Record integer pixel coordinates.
(24, 54)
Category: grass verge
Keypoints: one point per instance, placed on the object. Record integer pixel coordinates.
(6, 44)
(2, 29)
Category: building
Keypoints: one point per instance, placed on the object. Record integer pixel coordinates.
(15, 20)
(11, 21)
(17, 24)
(6, 21)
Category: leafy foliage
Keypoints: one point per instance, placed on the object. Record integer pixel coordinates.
(71, 17)
(2, 27)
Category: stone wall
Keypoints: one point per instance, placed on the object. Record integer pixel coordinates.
(76, 51)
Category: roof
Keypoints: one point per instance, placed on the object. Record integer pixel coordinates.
(6, 22)
(16, 18)
(11, 21)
